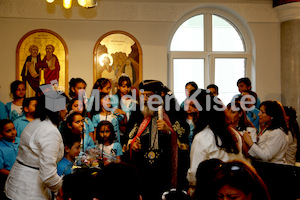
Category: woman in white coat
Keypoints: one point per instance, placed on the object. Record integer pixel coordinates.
(214, 137)
(34, 175)
(272, 142)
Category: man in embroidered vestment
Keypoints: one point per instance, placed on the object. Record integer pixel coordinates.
(152, 142)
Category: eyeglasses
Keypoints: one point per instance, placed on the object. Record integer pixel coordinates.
(231, 167)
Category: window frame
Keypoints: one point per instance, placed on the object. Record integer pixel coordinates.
(208, 55)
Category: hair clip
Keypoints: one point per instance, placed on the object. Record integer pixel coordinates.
(67, 115)
(124, 75)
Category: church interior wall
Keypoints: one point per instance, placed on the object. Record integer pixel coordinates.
(153, 34)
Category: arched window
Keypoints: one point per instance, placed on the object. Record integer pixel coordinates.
(210, 46)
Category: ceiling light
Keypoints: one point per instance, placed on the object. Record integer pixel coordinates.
(87, 3)
(67, 4)
(84, 3)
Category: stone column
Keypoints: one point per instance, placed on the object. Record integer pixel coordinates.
(289, 15)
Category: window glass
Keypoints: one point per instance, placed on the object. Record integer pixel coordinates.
(186, 70)
(222, 47)
(189, 36)
(227, 72)
(224, 36)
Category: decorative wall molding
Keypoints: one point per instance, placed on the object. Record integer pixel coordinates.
(289, 11)
(6, 7)
(163, 11)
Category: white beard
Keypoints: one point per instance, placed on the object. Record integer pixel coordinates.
(148, 112)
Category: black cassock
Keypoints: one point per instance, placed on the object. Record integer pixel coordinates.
(154, 161)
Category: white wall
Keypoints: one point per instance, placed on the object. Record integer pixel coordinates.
(268, 80)
(151, 25)
(81, 37)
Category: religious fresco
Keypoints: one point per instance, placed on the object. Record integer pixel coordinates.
(41, 57)
(115, 54)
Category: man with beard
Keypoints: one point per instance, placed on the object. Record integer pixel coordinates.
(152, 143)
(52, 71)
(30, 73)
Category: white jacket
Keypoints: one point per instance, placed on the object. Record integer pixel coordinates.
(204, 147)
(41, 147)
(290, 155)
(271, 147)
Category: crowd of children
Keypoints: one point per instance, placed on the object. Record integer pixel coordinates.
(85, 126)
(81, 129)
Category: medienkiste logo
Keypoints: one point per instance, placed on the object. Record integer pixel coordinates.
(54, 101)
